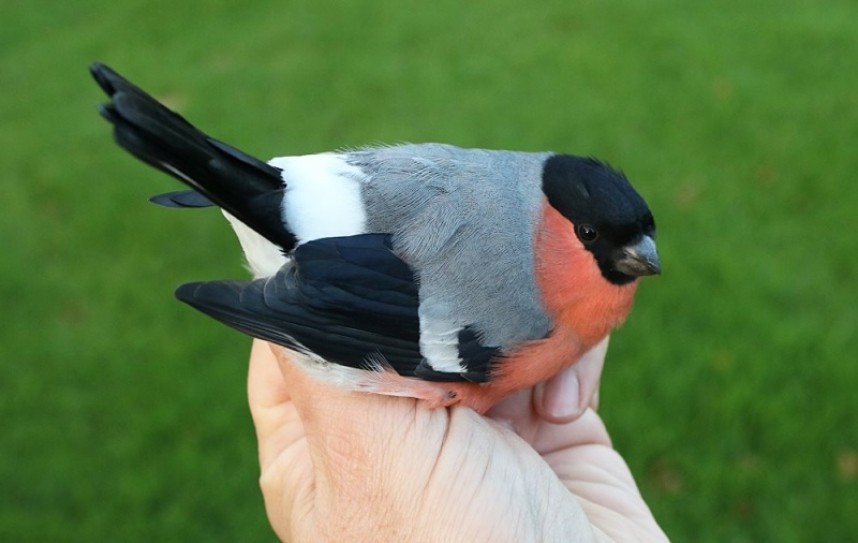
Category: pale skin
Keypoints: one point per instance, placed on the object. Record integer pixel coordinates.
(344, 466)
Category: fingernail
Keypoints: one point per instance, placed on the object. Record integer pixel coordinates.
(594, 402)
(561, 395)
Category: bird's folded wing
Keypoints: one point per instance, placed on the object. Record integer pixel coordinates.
(349, 300)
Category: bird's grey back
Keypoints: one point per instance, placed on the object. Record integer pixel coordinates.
(464, 220)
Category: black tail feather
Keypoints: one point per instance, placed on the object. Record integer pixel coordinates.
(181, 198)
(246, 187)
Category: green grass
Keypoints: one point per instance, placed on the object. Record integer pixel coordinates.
(732, 389)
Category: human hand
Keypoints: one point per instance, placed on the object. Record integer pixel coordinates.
(344, 466)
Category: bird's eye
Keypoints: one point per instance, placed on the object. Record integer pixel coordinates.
(587, 233)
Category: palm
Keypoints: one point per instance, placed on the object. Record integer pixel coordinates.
(409, 473)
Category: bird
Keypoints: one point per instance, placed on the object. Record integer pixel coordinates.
(454, 276)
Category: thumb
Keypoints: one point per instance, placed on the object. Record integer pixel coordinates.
(566, 396)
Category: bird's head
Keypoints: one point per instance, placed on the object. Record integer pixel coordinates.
(610, 218)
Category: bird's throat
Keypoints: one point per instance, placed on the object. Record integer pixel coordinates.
(574, 292)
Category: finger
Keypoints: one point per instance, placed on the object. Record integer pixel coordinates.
(590, 375)
(274, 418)
(588, 429)
(286, 478)
(516, 412)
(265, 384)
(566, 396)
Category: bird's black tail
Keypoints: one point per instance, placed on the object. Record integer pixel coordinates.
(246, 187)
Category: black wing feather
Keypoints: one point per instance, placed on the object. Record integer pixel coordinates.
(344, 299)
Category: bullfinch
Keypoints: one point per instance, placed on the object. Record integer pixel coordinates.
(455, 276)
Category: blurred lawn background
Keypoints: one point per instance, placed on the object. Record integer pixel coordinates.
(733, 389)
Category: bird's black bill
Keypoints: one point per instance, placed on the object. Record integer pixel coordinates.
(639, 258)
